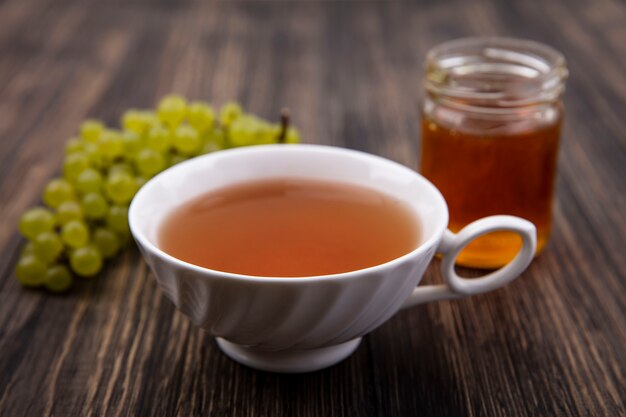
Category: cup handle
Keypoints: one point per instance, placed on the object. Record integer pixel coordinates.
(452, 244)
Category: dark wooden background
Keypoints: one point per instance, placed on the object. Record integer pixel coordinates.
(551, 344)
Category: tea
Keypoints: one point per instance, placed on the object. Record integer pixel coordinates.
(290, 228)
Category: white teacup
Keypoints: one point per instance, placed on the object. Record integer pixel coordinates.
(305, 324)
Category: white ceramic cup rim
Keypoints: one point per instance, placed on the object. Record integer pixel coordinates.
(424, 245)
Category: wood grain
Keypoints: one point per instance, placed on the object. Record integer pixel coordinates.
(551, 344)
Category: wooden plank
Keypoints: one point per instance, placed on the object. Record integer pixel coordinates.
(551, 343)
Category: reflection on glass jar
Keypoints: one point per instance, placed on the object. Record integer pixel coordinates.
(491, 121)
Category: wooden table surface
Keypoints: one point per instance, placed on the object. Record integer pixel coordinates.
(551, 344)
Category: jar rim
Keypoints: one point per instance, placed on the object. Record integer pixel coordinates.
(496, 72)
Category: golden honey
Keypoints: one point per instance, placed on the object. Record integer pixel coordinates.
(491, 123)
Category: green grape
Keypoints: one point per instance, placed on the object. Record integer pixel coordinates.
(73, 145)
(111, 144)
(166, 161)
(117, 219)
(35, 221)
(293, 136)
(265, 133)
(124, 237)
(216, 136)
(172, 110)
(94, 157)
(107, 242)
(132, 142)
(177, 159)
(149, 162)
(210, 147)
(90, 130)
(28, 249)
(229, 113)
(187, 140)
(121, 168)
(48, 246)
(58, 191)
(139, 182)
(75, 234)
(120, 188)
(269, 134)
(150, 118)
(200, 115)
(30, 271)
(134, 120)
(90, 180)
(244, 131)
(68, 211)
(74, 164)
(86, 261)
(94, 206)
(58, 278)
(159, 139)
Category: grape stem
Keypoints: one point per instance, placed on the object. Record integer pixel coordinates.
(284, 125)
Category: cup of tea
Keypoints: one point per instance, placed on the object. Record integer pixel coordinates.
(290, 254)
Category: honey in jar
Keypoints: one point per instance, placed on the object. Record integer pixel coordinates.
(491, 122)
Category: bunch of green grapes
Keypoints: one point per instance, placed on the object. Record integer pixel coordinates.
(85, 220)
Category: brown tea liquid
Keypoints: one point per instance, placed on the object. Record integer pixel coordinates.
(480, 174)
(290, 228)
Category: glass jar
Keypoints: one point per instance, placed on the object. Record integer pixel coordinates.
(491, 122)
